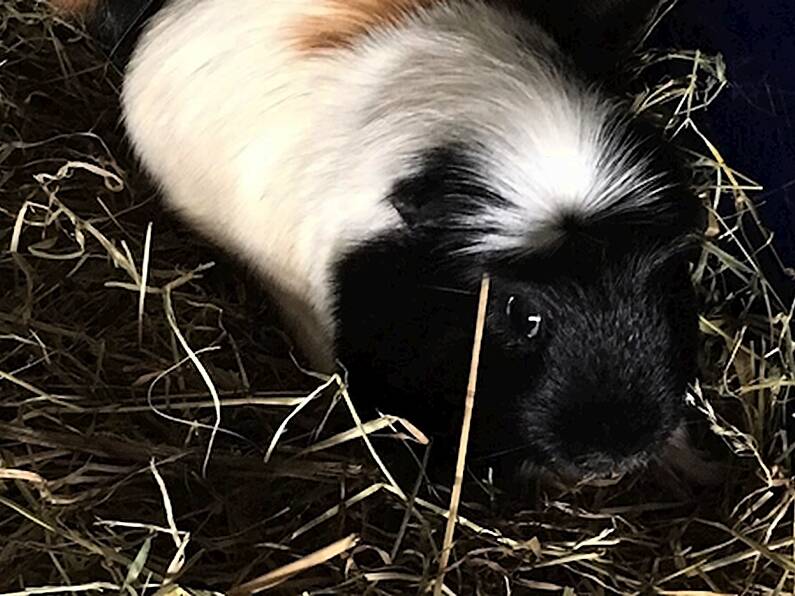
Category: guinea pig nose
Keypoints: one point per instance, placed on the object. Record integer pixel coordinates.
(605, 430)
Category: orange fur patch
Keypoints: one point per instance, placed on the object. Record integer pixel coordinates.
(84, 7)
(345, 20)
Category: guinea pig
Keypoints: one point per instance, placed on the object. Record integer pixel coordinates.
(371, 160)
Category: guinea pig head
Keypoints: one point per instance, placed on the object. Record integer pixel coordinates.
(597, 344)
(591, 333)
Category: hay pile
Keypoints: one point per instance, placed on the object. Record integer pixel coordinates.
(141, 387)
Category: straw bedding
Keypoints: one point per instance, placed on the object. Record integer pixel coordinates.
(156, 436)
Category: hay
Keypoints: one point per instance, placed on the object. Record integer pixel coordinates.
(142, 386)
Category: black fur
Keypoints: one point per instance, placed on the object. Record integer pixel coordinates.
(119, 23)
(602, 379)
(597, 35)
(447, 187)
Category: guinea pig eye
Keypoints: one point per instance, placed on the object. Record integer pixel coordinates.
(524, 322)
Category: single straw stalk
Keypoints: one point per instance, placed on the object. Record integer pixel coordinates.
(469, 404)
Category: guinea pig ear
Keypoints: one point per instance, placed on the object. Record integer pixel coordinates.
(598, 34)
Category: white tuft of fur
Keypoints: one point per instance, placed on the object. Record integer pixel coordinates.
(287, 159)
(563, 164)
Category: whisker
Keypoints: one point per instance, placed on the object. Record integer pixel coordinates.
(500, 453)
(460, 291)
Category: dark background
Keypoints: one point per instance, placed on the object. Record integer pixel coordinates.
(753, 121)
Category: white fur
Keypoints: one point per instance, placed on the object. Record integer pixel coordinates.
(286, 159)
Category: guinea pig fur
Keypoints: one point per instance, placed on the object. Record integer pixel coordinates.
(372, 159)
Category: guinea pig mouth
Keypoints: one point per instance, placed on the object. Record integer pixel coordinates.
(600, 470)
(596, 470)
